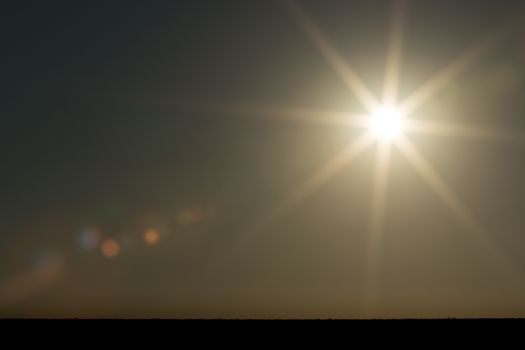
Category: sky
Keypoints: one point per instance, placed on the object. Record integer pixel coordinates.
(157, 157)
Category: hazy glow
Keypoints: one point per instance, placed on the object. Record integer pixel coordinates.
(189, 216)
(386, 123)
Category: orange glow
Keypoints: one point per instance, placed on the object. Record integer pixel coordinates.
(26, 284)
(110, 248)
(151, 236)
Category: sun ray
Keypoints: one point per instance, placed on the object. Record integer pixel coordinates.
(304, 190)
(385, 108)
(451, 71)
(293, 199)
(452, 202)
(334, 58)
(377, 218)
(293, 114)
(394, 52)
(464, 131)
(323, 175)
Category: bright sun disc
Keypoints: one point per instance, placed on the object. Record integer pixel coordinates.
(387, 123)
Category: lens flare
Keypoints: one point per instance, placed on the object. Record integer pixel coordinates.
(110, 248)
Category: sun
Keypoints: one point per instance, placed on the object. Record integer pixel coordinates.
(386, 123)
